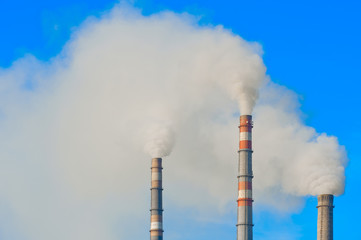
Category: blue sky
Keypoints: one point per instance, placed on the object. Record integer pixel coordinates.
(312, 47)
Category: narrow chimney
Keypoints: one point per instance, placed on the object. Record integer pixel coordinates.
(245, 175)
(325, 217)
(156, 211)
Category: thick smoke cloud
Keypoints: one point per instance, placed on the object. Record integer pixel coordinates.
(298, 160)
(74, 129)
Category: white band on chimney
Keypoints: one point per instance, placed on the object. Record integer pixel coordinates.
(247, 193)
(156, 226)
(245, 136)
(156, 176)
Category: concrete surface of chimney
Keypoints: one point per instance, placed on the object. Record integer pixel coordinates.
(325, 217)
(245, 175)
(156, 211)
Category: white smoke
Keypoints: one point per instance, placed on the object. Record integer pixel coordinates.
(160, 140)
(244, 84)
(71, 145)
(299, 161)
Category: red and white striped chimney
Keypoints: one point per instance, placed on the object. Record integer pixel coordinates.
(245, 175)
(156, 211)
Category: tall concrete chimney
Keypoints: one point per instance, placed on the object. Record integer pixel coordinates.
(325, 217)
(245, 175)
(156, 211)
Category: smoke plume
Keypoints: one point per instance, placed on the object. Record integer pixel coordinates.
(299, 161)
(74, 129)
(160, 141)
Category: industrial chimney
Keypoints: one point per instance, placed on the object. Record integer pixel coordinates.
(245, 175)
(325, 217)
(156, 211)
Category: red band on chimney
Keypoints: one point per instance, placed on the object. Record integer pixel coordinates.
(244, 186)
(244, 202)
(245, 144)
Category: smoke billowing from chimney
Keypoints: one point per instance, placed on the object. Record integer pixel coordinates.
(244, 83)
(160, 141)
(298, 160)
(93, 109)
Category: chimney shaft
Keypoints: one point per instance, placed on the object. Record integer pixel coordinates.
(325, 217)
(156, 218)
(245, 175)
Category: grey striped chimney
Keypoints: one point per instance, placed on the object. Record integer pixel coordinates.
(156, 211)
(325, 217)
